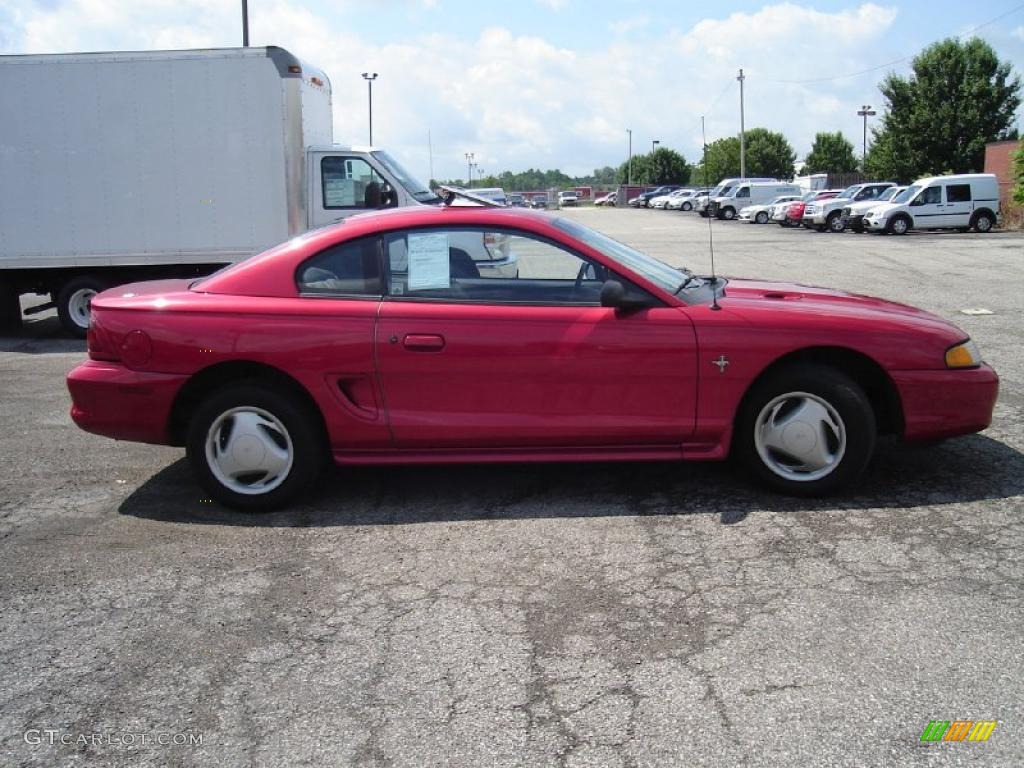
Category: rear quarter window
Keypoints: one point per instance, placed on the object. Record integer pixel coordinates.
(958, 193)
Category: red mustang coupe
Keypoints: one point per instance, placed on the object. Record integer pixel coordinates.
(479, 334)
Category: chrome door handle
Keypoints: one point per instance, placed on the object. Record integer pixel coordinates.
(423, 342)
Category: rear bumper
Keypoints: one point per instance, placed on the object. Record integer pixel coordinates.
(939, 404)
(111, 400)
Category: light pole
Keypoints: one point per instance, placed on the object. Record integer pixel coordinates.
(865, 111)
(654, 144)
(743, 136)
(245, 23)
(469, 169)
(369, 78)
(629, 173)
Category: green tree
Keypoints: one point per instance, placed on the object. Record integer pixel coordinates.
(1019, 174)
(723, 161)
(958, 97)
(769, 154)
(666, 166)
(830, 153)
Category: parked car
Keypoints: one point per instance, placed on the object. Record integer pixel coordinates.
(539, 201)
(685, 201)
(727, 206)
(761, 214)
(828, 214)
(376, 341)
(517, 201)
(963, 201)
(567, 198)
(661, 201)
(608, 199)
(643, 199)
(792, 215)
(853, 213)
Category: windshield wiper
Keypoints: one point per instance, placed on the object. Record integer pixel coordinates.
(690, 278)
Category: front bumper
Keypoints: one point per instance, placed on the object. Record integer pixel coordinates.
(875, 225)
(111, 400)
(946, 403)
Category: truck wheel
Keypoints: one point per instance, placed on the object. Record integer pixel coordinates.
(73, 301)
(10, 308)
(898, 225)
(806, 430)
(982, 223)
(728, 213)
(254, 448)
(835, 222)
(762, 217)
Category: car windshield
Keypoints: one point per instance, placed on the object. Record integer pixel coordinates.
(849, 191)
(889, 194)
(810, 196)
(412, 185)
(907, 194)
(659, 273)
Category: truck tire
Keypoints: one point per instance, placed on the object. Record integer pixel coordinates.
(10, 308)
(728, 213)
(835, 222)
(983, 222)
(73, 303)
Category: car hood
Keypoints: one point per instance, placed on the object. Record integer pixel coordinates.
(865, 206)
(806, 300)
(885, 208)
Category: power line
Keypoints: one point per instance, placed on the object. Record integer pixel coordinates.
(894, 61)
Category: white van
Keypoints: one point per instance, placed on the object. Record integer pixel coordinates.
(749, 192)
(963, 201)
(725, 186)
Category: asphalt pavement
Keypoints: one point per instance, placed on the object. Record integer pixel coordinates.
(561, 615)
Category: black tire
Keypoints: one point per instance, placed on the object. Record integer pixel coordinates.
(69, 301)
(982, 223)
(857, 227)
(835, 222)
(308, 449)
(762, 217)
(797, 384)
(10, 308)
(898, 225)
(728, 213)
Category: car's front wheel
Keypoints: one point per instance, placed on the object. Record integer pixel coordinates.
(835, 222)
(762, 217)
(687, 206)
(254, 448)
(806, 430)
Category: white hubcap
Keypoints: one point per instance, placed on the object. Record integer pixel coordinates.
(249, 450)
(799, 436)
(78, 306)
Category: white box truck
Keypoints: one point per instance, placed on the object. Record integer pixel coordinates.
(117, 167)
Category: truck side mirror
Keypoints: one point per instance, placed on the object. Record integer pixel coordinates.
(371, 195)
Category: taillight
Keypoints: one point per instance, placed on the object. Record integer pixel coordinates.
(98, 343)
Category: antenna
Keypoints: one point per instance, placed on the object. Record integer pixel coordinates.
(711, 234)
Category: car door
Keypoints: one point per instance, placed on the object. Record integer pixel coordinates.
(959, 205)
(928, 207)
(474, 359)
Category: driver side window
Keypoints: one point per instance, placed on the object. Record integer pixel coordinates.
(931, 195)
(350, 182)
(477, 265)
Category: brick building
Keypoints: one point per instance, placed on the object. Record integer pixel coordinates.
(999, 160)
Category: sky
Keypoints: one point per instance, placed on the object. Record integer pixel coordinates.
(552, 83)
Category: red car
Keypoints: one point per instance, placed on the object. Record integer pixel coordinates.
(385, 339)
(793, 215)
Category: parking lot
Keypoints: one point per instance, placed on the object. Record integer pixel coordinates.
(563, 615)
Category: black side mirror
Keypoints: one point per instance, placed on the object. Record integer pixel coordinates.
(371, 195)
(613, 294)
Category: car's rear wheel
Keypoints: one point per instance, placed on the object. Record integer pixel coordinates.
(254, 448)
(761, 218)
(982, 223)
(806, 430)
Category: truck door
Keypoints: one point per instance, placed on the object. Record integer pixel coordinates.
(959, 205)
(343, 184)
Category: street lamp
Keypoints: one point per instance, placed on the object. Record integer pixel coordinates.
(629, 173)
(469, 169)
(654, 143)
(369, 78)
(865, 111)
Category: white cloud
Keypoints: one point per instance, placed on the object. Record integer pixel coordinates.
(632, 24)
(1018, 33)
(516, 100)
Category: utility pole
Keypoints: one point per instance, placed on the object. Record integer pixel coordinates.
(865, 111)
(743, 137)
(469, 169)
(369, 78)
(430, 154)
(629, 173)
(245, 23)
